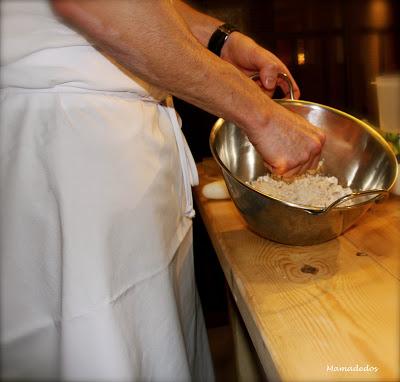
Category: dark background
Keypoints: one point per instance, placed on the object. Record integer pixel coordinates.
(334, 49)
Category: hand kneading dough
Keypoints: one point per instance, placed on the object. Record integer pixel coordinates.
(216, 190)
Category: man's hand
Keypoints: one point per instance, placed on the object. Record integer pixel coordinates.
(249, 57)
(288, 144)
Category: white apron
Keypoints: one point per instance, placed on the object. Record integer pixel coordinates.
(96, 269)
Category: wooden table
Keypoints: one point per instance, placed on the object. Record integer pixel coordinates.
(304, 326)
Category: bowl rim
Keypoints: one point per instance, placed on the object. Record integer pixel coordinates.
(311, 209)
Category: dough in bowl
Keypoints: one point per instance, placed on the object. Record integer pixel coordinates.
(311, 190)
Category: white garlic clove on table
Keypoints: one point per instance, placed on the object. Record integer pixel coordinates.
(216, 190)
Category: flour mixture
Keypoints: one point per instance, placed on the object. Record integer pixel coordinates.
(312, 190)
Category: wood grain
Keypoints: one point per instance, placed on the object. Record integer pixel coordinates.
(309, 308)
(378, 235)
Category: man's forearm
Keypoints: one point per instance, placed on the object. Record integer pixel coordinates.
(151, 39)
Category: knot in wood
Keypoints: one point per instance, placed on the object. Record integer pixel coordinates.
(309, 269)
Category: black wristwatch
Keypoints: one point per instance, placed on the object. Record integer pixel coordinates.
(219, 37)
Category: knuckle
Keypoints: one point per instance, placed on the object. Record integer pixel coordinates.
(289, 164)
(278, 170)
(303, 157)
(282, 167)
(322, 137)
(315, 146)
(272, 67)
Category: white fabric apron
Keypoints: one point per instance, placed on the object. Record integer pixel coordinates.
(97, 275)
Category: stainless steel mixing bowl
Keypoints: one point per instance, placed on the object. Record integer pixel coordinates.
(354, 152)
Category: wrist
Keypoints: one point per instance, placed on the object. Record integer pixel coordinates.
(258, 116)
(220, 37)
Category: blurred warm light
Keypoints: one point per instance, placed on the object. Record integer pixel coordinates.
(301, 58)
(379, 13)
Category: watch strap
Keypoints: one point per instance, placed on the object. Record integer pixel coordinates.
(219, 37)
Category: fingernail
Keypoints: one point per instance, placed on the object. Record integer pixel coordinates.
(270, 82)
